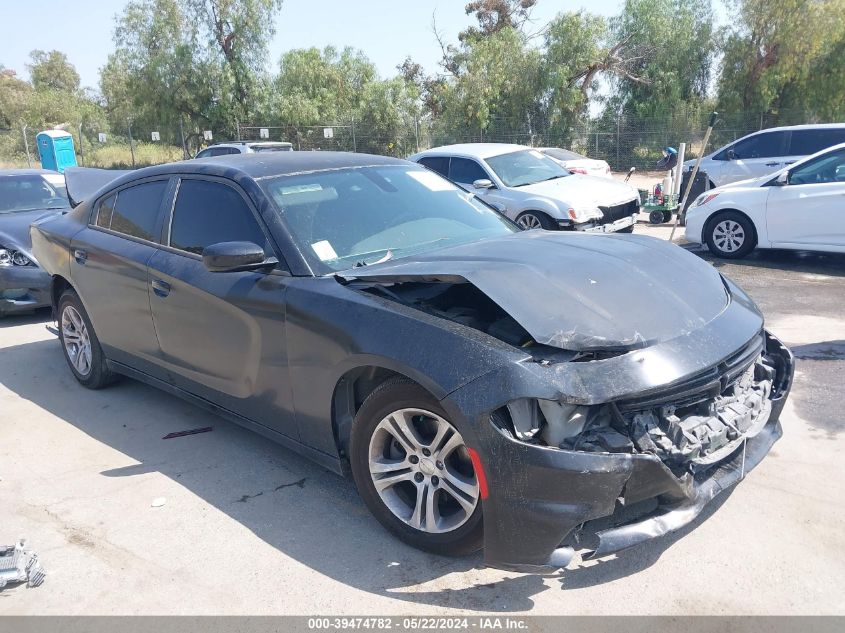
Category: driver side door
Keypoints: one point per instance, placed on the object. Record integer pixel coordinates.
(809, 212)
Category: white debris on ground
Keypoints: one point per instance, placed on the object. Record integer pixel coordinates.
(20, 564)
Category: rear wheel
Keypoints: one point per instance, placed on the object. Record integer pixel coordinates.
(655, 217)
(730, 235)
(413, 470)
(80, 345)
(535, 220)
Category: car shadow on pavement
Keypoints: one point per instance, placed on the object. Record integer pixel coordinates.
(43, 315)
(812, 262)
(297, 507)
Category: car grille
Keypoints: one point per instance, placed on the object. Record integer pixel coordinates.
(619, 211)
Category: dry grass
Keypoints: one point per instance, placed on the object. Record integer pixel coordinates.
(111, 156)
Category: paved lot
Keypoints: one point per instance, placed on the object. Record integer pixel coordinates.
(250, 527)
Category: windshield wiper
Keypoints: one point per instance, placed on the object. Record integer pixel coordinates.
(387, 257)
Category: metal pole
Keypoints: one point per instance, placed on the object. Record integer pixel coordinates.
(26, 146)
(81, 151)
(354, 143)
(131, 149)
(238, 128)
(694, 172)
(618, 119)
(679, 168)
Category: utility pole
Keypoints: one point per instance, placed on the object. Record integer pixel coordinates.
(26, 146)
(354, 144)
(131, 149)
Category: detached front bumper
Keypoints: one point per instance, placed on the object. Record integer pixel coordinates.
(23, 289)
(541, 495)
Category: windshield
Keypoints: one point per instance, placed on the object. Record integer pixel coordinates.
(353, 217)
(563, 154)
(30, 192)
(525, 167)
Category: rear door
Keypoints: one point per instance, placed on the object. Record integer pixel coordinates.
(222, 335)
(755, 156)
(109, 270)
(809, 212)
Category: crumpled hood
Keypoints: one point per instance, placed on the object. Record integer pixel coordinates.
(582, 191)
(577, 291)
(14, 228)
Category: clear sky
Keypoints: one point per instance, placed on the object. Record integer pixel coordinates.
(386, 30)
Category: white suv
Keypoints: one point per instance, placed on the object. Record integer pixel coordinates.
(768, 151)
(244, 147)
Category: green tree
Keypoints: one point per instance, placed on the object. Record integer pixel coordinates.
(51, 70)
(784, 55)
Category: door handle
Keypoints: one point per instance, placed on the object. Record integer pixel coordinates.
(80, 256)
(161, 288)
(772, 164)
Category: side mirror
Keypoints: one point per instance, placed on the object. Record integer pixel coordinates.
(227, 257)
(783, 178)
(483, 183)
(731, 155)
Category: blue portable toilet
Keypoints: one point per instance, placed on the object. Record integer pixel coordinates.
(55, 147)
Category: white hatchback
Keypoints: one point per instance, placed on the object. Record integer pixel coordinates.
(800, 207)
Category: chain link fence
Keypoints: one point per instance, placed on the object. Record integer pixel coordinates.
(623, 141)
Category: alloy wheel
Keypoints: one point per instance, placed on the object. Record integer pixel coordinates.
(728, 236)
(422, 471)
(529, 221)
(76, 340)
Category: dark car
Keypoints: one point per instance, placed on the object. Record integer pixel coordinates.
(485, 386)
(26, 196)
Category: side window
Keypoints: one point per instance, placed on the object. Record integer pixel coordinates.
(135, 210)
(826, 168)
(206, 213)
(765, 145)
(806, 142)
(466, 171)
(440, 164)
(105, 210)
(205, 153)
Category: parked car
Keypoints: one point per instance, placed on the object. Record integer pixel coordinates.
(767, 151)
(799, 207)
(244, 147)
(577, 163)
(534, 190)
(26, 196)
(485, 386)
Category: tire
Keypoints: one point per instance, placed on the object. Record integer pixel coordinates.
(667, 216)
(730, 235)
(535, 220)
(80, 345)
(627, 229)
(376, 453)
(655, 217)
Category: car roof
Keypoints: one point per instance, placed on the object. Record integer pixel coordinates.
(474, 150)
(265, 164)
(26, 171)
(806, 126)
(249, 144)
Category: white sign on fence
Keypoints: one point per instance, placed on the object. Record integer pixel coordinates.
(156, 136)
(101, 137)
(207, 135)
(328, 132)
(264, 133)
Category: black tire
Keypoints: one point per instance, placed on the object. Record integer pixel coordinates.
(730, 235)
(667, 216)
(655, 217)
(535, 217)
(391, 396)
(98, 374)
(627, 229)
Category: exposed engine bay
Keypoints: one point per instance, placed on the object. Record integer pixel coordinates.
(687, 435)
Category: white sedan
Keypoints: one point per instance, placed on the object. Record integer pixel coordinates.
(801, 207)
(576, 163)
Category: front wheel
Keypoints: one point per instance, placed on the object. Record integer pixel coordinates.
(80, 345)
(413, 470)
(535, 220)
(730, 235)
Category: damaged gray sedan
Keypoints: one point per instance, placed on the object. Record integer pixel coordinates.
(484, 386)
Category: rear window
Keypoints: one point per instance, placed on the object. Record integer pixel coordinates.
(806, 142)
(134, 211)
(563, 154)
(440, 164)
